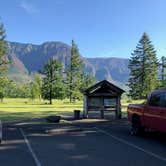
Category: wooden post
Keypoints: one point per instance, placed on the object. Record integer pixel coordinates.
(116, 111)
(118, 114)
(102, 112)
(85, 109)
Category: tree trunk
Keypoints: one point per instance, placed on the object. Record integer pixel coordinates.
(50, 95)
(50, 100)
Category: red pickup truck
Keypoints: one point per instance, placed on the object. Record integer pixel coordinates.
(150, 115)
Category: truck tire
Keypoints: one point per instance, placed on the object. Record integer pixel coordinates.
(136, 128)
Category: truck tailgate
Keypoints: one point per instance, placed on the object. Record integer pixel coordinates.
(135, 109)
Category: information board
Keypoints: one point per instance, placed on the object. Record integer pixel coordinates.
(110, 102)
(94, 102)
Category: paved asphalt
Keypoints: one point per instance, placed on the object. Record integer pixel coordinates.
(95, 144)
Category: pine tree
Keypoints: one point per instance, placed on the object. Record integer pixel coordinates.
(74, 74)
(87, 80)
(3, 60)
(163, 72)
(3, 50)
(143, 66)
(52, 77)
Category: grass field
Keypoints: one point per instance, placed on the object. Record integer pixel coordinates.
(25, 109)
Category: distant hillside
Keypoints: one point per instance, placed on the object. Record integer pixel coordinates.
(115, 69)
(29, 58)
(35, 56)
(17, 71)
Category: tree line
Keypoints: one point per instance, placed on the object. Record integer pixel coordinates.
(54, 81)
(146, 73)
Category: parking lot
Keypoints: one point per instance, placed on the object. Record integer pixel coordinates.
(102, 143)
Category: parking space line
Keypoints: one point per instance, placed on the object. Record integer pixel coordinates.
(131, 144)
(30, 148)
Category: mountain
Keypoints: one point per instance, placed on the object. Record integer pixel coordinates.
(17, 71)
(115, 69)
(30, 58)
(35, 56)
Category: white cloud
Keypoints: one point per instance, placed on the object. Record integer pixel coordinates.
(28, 7)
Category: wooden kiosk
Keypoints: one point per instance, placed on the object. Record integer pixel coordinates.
(103, 96)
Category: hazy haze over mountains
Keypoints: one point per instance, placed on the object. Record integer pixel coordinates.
(30, 58)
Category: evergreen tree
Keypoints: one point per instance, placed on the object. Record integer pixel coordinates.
(3, 50)
(3, 60)
(74, 74)
(52, 77)
(163, 72)
(87, 80)
(143, 66)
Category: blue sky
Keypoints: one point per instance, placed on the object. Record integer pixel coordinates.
(101, 28)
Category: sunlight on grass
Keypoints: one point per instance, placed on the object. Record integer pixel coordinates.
(26, 109)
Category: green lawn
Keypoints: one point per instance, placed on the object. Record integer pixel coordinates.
(25, 109)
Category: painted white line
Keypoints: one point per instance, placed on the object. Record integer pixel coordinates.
(30, 148)
(131, 145)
